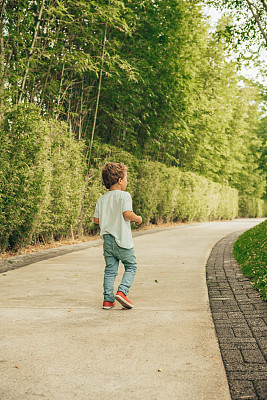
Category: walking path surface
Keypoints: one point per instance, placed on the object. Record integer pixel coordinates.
(57, 343)
(240, 318)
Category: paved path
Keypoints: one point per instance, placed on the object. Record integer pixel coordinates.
(57, 343)
(240, 318)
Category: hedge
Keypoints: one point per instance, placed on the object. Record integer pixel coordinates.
(250, 207)
(45, 192)
(42, 178)
(23, 177)
(162, 193)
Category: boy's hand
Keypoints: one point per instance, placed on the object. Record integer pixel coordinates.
(139, 221)
(131, 216)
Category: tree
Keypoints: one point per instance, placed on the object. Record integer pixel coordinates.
(250, 19)
(53, 55)
(2, 59)
(147, 77)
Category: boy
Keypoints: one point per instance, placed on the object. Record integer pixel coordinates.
(114, 212)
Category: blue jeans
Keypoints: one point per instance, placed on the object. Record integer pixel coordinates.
(113, 254)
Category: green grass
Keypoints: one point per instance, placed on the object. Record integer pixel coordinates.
(250, 251)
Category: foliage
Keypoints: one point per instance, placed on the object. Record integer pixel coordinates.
(251, 207)
(226, 145)
(42, 178)
(168, 91)
(23, 138)
(167, 194)
(250, 252)
(61, 69)
(46, 192)
(250, 20)
(162, 193)
(262, 133)
(168, 95)
(66, 183)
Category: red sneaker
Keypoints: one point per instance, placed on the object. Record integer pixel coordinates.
(107, 305)
(123, 300)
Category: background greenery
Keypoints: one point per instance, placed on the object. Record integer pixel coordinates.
(143, 82)
(250, 252)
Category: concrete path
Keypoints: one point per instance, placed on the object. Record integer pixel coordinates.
(57, 343)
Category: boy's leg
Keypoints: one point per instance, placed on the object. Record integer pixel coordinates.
(111, 269)
(127, 257)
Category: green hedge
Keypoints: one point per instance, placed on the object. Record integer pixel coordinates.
(45, 192)
(250, 207)
(23, 155)
(167, 194)
(60, 212)
(42, 178)
(162, 193)
(250, 251)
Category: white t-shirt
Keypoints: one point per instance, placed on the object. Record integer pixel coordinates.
(109, 209)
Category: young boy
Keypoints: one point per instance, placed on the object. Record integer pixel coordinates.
(114, 212)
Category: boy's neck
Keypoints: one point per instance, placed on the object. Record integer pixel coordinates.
(117, 186)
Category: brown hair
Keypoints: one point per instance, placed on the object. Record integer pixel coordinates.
(111, 173)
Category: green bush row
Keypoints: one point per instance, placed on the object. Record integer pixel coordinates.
(166, 194)
(250, 207)
(42, 176)
(45, 192)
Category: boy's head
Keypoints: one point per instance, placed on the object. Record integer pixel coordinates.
(112, 172)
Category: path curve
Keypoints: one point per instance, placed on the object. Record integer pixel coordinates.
(57, 343)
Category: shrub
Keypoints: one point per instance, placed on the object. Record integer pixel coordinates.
(250, 207)
(162, 193)
(170, 195)
(66, 183)
(23, 138)
(46, 192)
(250, 252)
(42, 178)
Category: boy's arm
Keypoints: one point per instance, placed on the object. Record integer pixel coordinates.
(96, 220)
(131, 216)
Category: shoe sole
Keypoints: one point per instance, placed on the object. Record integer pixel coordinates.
(123, 302)
(108, 308)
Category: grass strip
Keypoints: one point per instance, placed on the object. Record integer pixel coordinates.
(250, 251)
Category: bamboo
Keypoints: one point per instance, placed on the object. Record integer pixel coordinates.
(59, 93)
(31, 50)
(98, 94)
(255, 14)
(81, 110)
(264, 4)
(68, 113)
(2, 60)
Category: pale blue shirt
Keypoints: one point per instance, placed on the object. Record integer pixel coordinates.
(109, 209)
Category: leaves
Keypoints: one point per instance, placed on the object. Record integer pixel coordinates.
(250, 252)
(41, 157)
(169, 94)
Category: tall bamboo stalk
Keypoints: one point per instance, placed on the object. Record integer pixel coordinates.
(255, 12)
(89, 150)
(88, 157)
(81, 111)
(59, 93)
(2, 59)
(31, 50)
(264, 4)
